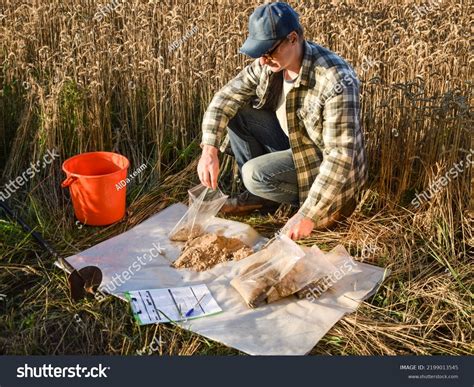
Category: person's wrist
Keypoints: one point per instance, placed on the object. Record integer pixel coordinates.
(209, 149)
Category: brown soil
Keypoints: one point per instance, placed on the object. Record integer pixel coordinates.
(186, 233)
(265, 286)
(290, 283)
(315, 288)
(255, 290)
(208, 250)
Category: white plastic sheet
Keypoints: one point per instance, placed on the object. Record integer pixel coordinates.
(286, 327)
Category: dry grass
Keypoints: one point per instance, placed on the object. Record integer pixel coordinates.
(74, 84)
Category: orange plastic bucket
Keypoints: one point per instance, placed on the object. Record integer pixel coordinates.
(93, 179)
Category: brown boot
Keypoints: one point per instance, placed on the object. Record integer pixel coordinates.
(245, 203)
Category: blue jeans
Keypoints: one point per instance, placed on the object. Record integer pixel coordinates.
(263, 155)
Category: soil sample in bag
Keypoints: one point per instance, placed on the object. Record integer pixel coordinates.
(305, 276)
(315, 288)
(187, 232)
(283, 269)
(256, 294)
(208, 250)
(290, 283)
(267, 269)
(204, 204)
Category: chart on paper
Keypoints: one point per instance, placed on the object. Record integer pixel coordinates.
(172, 304)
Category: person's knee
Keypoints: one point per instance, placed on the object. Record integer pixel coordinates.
(251, 177)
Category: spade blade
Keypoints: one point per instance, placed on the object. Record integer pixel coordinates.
(92, 277)
(84, 281)
(76, 286)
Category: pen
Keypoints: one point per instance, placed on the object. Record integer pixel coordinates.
(191, 311)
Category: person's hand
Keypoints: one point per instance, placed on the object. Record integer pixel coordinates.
(298, 226)
(208, 167)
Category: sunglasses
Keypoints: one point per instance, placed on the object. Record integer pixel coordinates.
(269, 53)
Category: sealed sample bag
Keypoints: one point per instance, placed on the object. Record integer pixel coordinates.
(280, 270)
(204, 204)
(261, 273)
(312, 268)
(341, 263)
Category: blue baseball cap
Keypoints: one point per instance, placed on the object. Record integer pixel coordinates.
(268, 24)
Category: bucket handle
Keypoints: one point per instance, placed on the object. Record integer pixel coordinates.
(69, 181)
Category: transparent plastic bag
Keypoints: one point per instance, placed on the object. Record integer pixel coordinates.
(342, 264)
(310, 269)
(204, 204)
(263, 270)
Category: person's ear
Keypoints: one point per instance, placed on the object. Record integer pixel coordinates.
(293, 37)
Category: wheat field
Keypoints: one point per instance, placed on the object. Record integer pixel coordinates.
(136, 77)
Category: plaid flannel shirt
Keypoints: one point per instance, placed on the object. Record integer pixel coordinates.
(325, 136)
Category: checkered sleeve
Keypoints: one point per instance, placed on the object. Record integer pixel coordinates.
(227, 101)
(340, 124)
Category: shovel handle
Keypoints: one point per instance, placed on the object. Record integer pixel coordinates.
(73, 273)
(69, 180)
(28, 229)
(66, 265)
